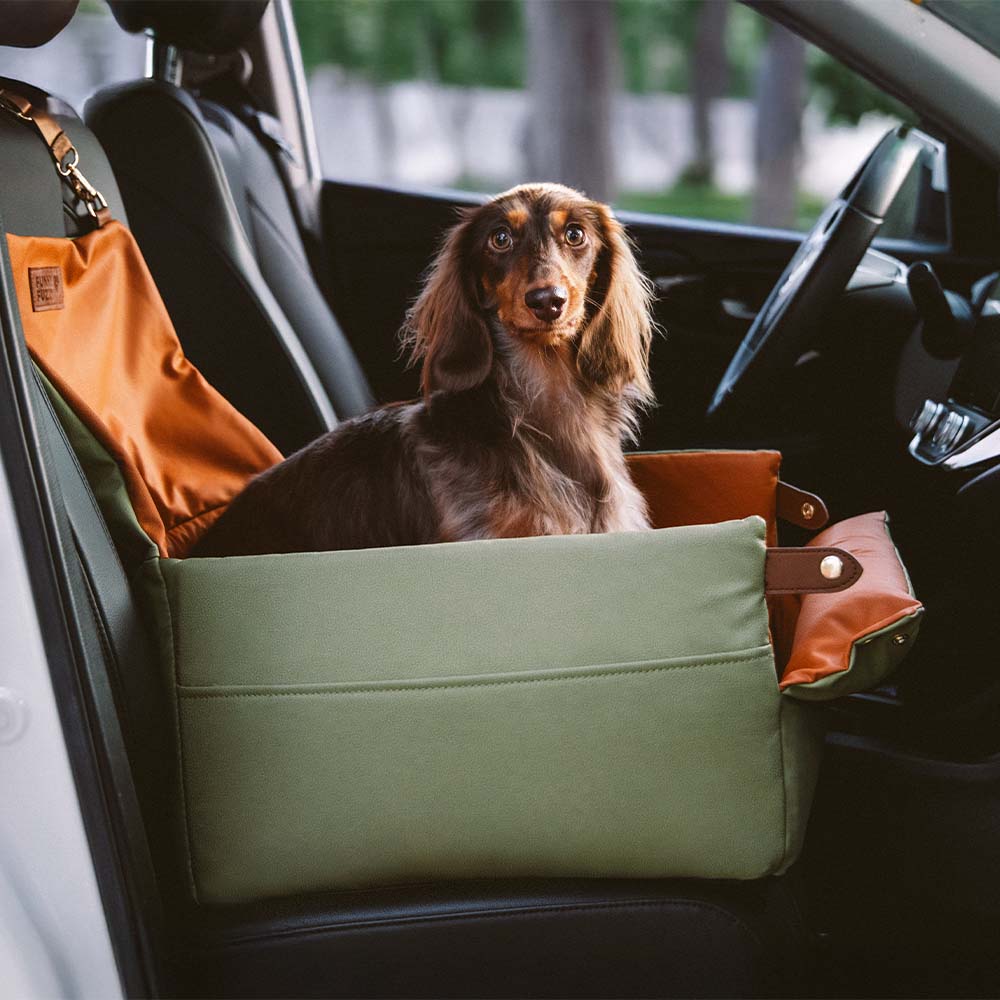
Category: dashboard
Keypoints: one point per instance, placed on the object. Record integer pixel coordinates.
(962, 430)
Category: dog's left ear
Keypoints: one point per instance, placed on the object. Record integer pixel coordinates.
(614, 346)
(446, 327)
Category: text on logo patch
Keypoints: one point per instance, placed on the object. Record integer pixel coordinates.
(46, 288)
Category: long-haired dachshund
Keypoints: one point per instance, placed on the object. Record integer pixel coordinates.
(534, 331)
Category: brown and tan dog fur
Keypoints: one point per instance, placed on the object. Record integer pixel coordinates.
(534, 330)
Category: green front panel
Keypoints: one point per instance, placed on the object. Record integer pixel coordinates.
(601, 705)
(469, 607)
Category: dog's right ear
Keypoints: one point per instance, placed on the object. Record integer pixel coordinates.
(445, 326)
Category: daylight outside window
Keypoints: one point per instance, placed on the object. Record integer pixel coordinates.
(686, 107)
(697, 108)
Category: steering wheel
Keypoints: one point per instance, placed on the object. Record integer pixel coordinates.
(818, 272)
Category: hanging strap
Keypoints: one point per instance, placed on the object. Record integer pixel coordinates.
(64, 153)
(798, 507)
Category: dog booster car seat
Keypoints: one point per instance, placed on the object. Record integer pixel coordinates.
(594, 705)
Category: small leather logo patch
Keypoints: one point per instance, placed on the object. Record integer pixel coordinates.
(46, 288)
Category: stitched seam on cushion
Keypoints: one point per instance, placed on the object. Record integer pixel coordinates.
(165, 598)
(611, 672)
(485, 915)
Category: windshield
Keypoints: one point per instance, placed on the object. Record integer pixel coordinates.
(979, 19)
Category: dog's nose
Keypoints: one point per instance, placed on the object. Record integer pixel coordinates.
(547, 302)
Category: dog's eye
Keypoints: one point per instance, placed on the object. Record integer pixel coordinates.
(500, 239)
(575, 236)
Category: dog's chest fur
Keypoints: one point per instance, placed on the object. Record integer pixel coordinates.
(545, 465)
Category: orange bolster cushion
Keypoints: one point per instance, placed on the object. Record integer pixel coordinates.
(830, 624)
(706, 487)
(95, 324)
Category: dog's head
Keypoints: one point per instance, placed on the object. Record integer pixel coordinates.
(552, 268)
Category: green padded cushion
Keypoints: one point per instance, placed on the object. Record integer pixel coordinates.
(591, 705)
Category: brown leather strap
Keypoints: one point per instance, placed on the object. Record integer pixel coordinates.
(806, 510)
(52, 132)
(809, 570)
(62, 149)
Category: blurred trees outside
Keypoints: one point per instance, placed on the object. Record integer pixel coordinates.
(573, 55)
(572, 76)
(778, 133)
(709, 61)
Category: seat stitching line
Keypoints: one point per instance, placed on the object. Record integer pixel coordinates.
(610, 672)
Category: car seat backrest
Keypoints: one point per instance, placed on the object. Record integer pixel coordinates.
(183, 215)
(213, 217)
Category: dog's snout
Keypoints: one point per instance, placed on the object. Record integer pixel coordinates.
(546, 302)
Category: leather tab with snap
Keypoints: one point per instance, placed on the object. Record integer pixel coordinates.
(809, 570)
(801, 508)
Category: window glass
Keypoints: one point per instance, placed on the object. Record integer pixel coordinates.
(979, 19)
(90, 52)
(699, 108)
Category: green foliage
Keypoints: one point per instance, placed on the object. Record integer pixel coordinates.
(656, 37)
(745, 37)
(481, 43)
(703, 201)
(464, 42)
(979, 19)
(845, 96)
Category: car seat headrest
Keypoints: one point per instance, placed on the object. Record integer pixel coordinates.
(26, 24)
(209, 26)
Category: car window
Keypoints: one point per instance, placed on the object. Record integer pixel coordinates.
(979, 19)
(699, 109)
(90, 52)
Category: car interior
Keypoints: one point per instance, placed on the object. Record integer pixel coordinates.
(879, 385)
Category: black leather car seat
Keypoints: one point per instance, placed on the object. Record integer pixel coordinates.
(214, 219)
(499, 938)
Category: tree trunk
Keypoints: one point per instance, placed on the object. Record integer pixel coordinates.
(572, 72)
(709, 78)
(780, 101)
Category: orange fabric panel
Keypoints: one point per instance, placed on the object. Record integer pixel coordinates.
(110, 349)
(829, 624)
(704, 487)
